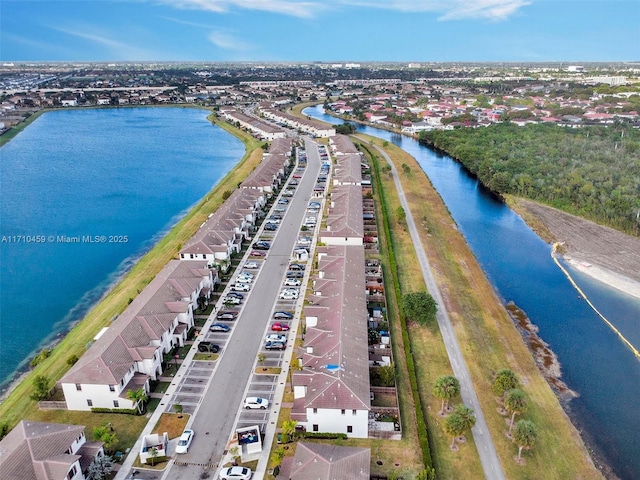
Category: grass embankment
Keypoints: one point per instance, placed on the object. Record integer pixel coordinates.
(488, 339)
(18, 405)
(10, 134)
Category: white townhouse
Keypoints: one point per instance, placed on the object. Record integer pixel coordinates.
(315, 128)
(46, 451)
(344, 220)
(259, 128)
(331, 392)
(348, 169)
(129, 353)
(342, 145)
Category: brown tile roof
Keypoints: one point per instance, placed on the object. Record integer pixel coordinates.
(317, 461)
(37, 451)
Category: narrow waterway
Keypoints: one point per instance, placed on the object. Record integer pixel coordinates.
(595, 363)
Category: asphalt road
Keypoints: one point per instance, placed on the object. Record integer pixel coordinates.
(486, 449)
(216, 416)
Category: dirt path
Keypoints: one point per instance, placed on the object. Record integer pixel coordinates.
(602, 252)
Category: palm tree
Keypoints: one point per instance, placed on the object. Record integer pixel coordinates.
(467, 415)
(505, 380)
(454, 425)
(446, 387)
(525, 435)
(138, 397)
(261, 358)
(105, 435)
(515, 402)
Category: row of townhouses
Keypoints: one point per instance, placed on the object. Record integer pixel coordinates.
(332, 390)
(260, 129)
(313, 127)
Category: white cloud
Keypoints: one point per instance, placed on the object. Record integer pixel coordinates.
(227, 41)
(447, 9)
(117, 49)
(295, 8)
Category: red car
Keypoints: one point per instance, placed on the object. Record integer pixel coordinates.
(280, 327)
(257, 253)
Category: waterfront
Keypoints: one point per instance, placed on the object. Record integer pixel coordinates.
(518, 263)
(114, 179)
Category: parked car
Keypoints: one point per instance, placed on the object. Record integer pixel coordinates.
(276, 337)
(235, 295)
(292, 282)
(280, 327)
(256, 402)
(293, 182)
(297, 175)
(262, 245)
(235, 473)
(304, 240)
(289, 294)
(243, 278)
(275, 346)
(184, 441)
(240, 287)
(247, 274)
(283, 201)
(219, 327)
(229, 300)
(208, 347)
(295, 274)
(310, 221)
(296, 266)
(257, 253)
(228, 315)
(252, 265)
(314, 205)
(282, 315)
(270, 227)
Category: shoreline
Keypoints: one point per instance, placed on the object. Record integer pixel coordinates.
(608, 277)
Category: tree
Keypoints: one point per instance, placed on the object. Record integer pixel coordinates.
(515, 402)
(177, 407)
(454, 425)
(419, 306)
(106, 435)
(100, 468)
(446, 387)
(261, 358)
(42, 387)
(505, 380)
(387, 375)
(525, 435)
(374, 336)
(72, 359)
(401, 214)
(138, 397)
(153, 454)
(466, 414)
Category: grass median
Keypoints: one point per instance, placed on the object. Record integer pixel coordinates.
(18, 405)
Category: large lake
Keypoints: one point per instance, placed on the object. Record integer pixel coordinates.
(130, 172)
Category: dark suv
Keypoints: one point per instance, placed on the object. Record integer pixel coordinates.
(208, 347)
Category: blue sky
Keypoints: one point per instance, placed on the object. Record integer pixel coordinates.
(320, 30)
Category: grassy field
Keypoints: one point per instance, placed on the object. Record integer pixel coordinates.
(18, 404)
(487, 336)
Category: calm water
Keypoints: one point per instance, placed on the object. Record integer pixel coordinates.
(517, 262)
(115, 173)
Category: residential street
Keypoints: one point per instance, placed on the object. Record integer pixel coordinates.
(486, 449)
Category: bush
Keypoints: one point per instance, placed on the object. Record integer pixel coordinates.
(326, 435)
(128, 411)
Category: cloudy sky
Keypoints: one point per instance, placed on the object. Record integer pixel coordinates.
(320, 30)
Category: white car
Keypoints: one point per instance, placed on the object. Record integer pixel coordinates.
(251, 265)
(276, 337)
(235, 473)
(244, 279)
(304, 240)
(184, 441)
(289, 294)
(310, 221)
(240, 287)
(231, 300)
(256, 402)
(292, 282)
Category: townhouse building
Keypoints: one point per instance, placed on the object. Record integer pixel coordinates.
(129, 353)
(46, 451)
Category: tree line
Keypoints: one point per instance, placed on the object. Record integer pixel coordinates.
(592, 172)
